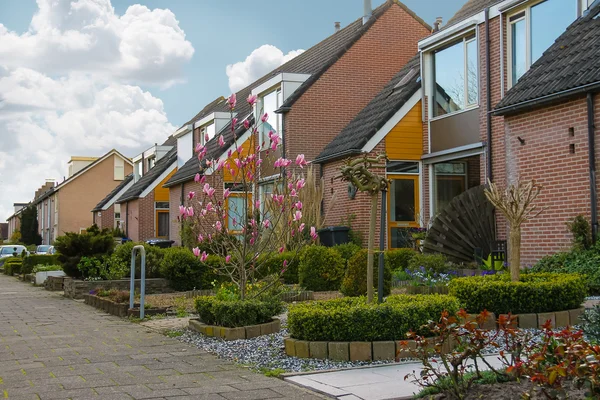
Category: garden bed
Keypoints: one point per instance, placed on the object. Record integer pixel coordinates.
(119, 309)
(76, 289)
(244, 332)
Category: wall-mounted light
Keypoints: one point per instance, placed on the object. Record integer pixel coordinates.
(521, 140)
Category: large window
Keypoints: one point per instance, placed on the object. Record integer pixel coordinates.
(207, 131)
(117, 212)
(534, 29)
(267, 105)
(456, 77)
(450, 181)
(162, 219)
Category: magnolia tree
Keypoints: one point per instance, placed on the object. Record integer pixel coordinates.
(244, 226)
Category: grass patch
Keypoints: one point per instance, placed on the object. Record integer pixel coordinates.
(445, 385)
(174, 333)
(272, 373)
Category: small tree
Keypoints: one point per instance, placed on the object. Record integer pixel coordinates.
(29, 227)
(246, 226)
(516, 204)
(358, 173)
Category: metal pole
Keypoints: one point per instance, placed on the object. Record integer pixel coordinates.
(382, 245)
(142, 279)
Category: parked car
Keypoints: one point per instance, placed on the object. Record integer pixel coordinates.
(43, 249)
(10, 251)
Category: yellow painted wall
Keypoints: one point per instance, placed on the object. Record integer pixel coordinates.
(227, 177)
(161, 193)
(405, 140)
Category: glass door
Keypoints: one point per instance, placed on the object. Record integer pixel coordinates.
(403, 206)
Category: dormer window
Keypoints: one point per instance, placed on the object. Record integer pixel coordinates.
(533, 29)
(151, 162)
(268, 103)
(207, 132)
(138, 170)
(456, 76)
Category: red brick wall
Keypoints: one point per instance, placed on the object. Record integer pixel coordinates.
(347, 86)
(107, 220)
(146, 229)
(131, 210)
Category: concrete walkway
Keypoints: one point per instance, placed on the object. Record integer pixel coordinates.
(369, 383)
(56, 348)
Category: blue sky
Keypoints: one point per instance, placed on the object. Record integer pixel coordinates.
(226, 31)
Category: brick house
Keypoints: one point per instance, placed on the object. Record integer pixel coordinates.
(107, 213)
(470, 66)
(14, 221)
(317, 93)
(43, 202)
(144, 206)
(66, 206)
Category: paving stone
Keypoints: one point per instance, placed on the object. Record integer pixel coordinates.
(251, 395)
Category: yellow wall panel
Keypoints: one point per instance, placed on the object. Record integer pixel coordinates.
(227, 177)
(161, 193)
(405, 140)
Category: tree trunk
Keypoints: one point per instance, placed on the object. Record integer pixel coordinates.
(243, 279)
(371, 248)
(514, 251)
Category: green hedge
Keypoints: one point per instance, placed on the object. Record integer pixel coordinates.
(533, 293)
(399, 259)
(12, 265)
(184, 271)
(355, 281)
(321, 268)
(273, 264)
(236, 313)
(352, 319)
(154, 257)
(435, 262)
(33, 260)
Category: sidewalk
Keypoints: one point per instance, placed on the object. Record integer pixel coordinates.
(369, 383)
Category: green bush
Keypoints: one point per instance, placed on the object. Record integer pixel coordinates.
(348, 250)
(584, 262)
(236, 313)
(355, 281)
(33, 260)
(399, 259)
(12, 265)
(273, 264)
(352, 319)
(582, 233)
(435, 262)
(46, 268)
(533, 293)
(154, 256)
(321, 268)
(184, 271)
(72, 247)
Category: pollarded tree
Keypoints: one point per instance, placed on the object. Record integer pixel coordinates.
(516, 204)
(243, 225)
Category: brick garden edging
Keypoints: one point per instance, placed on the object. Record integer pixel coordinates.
(389, 350)
(119, 309)
(244, 332)
(76, 289)
(54, 283)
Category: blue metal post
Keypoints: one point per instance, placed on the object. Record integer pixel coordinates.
(142, 279)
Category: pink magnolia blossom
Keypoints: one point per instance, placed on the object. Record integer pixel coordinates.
(300, 161)
(218, 226)
(203, 212)
(227, 259)
(275, 143)
(206, 137)
(239, 149)
(189, 211)
(259, 162)
(220, 165)
(246, 124)
(228, 153)
(200, 238)
(191, 195)
(237, 162)
(199, 148)
(203, 257)
(301, 227)
(298, 215)
(208, 190)
(234, 122)
(181, 211)
(266, 223)
(300, 184)
(209, 207)
(265, 117)
(281, 249)
(221, 141)
(293, 193)
(226, 193)
(313, 233)
(252, 241)
(285, 264)
(234, 221)
(298, 205)
(231, 101)
(197, 178)
(196, 251)
(252, 99)
(282, 162)
(257, 204)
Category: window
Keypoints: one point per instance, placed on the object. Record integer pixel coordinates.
(267, 105)
(151, 162)
(450, 181)
(456, 77)
(119, 168)
(236, 212)
(162, 219)
(139, 170)
(117, 208)
(209, 130)
(402, 167)
(533, 30)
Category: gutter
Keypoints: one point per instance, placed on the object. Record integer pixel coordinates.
(344, 153)
(488, 83)
(592, 165)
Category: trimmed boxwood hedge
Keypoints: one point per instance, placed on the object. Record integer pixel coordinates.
(352, 319)
(533, 293)
(321, 268)
(355, 281)
(236, 313)
(37, 259)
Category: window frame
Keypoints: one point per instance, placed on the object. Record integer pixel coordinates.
(465, 38)
(203, 129)
(119, 168)
(455, 176)
(157, 211)
(263, 138)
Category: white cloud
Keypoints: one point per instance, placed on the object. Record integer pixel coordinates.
(257, 64)
(68, 87)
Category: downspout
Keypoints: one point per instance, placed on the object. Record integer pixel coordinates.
(127, 219)
(592, 165)
(181, 199)
(488, 84)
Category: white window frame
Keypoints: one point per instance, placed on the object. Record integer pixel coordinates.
(117, 220)
(263, 138)
(119, 172)
(203, 129)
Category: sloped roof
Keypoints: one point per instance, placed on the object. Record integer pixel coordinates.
(470, 8)
(314, 61)
(570, 66)
(146, 180)
(113, 193)
(217, 105)
(370, 119)
(171, 141)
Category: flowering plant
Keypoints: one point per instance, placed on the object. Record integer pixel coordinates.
(258, 211)
(428, 277)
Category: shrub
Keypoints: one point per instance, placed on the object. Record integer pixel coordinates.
(91, 267)
(33, 260)
(321, 268)
(590, 323)
(73, 246)
(12, 265)
(582, 262)
(46, 268)
(348, 250)
(352, 319)
(533, 293)
(185, 271)
(154, 256)
(582, 233)
(236, 313)
(435, 262)
(274, 265)
(399, 259)
(355, 281)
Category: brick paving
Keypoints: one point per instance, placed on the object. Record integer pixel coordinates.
(56, 348)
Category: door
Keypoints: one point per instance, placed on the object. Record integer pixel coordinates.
(403, 209)
(162, 222)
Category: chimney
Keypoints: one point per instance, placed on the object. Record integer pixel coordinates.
(368, 11)
(337, 26)
(437, 24)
